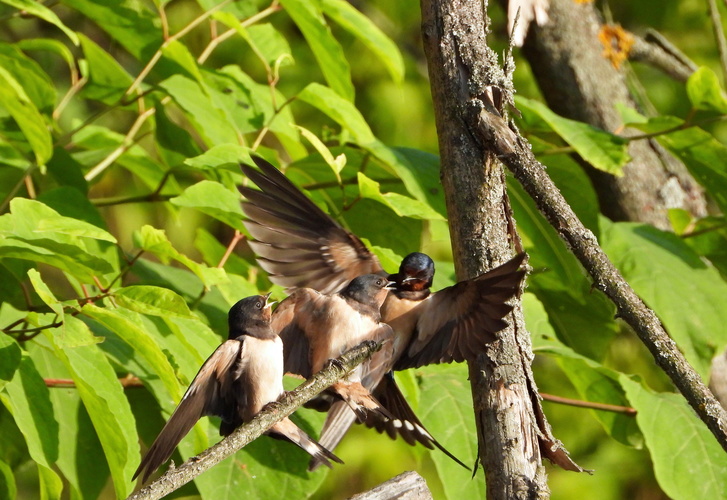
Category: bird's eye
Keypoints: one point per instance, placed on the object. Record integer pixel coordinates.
(379, 282)
(259, 305)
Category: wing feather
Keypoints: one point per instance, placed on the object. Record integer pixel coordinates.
(457, 323)
(297, 243)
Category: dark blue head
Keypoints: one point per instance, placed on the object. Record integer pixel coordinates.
(415, 273)
(250, 316)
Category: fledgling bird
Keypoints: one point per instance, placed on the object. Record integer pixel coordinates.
(317, 327)
(299, 245)
(243, 375)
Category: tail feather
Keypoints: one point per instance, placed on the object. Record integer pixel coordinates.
(405, 424)
(339, 419)
(287, 429)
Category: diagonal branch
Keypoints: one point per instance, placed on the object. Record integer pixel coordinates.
(174, 478)
(513, 150)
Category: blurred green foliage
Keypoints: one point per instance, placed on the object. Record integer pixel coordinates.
(121, 129)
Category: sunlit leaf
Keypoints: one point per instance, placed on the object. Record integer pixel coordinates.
(213, 199)
(325, 47)
(339, 110)
(704, 91)
(360, 26)
(107, 79)
(688, 461)
(152, 300)
(447, 413)
(104, 399)
(604, 151)
(685, 292)
(17, 103)
(44, 13)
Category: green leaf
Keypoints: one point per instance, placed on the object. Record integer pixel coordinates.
(128, 22)
(704, 91)
(129, 327)
(336, 163)
(79, 450)
(7, 483)
(685, 293)
(703, 155)
(213, 199)
(325, 47)
(45, 293)
(219, 156)
(9, 358)
(360, 26)
(709, 239)
(104, 399)
(176, 53)
(269, 44)
(604, 151)
(33, 231)
(155, 241)
(44, 13)
(17, 103)
(448, 415)
(403, 206)
(152, 300)
(592, 381)
(35, 82)
(27, 398)
(208, 119)
(417, 169)
(688, 461)
(107, 79)
(339, 110)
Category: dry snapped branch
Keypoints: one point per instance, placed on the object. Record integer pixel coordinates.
(174, 478)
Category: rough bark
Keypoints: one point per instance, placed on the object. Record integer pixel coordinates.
(577, 82)
(174, 478)
(512, 429)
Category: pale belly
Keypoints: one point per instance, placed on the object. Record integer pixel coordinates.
(265, 368)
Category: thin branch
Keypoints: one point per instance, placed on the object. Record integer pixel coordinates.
(125, 145)
(719, 35)
(132, 382)
(158, 54)
(588, 404)
(652, 51)
(272, 8)
(174, 478)
(519, 159)
(233, 243)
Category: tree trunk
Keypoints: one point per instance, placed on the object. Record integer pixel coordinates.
(512, 429)
(578, 82)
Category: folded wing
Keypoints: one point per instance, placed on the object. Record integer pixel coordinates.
(214, 391)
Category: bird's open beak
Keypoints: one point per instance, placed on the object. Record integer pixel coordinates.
(268, 304)
(391, 285)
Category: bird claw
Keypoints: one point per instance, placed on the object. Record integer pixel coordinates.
(273, 406)
(334, 362)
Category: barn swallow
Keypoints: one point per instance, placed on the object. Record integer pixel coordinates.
(243, 375)
(299, 245)
(317, 327)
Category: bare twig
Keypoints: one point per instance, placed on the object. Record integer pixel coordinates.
(588, 404)
(719, 35)
(175, 478)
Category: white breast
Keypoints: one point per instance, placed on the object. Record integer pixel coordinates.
(263, 363)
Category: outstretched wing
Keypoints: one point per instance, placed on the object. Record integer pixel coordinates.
(213, 391)
(457, 322)
(297, 243)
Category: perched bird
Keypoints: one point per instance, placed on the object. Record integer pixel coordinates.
(243, 375)
(316, 328)
(299, 245)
